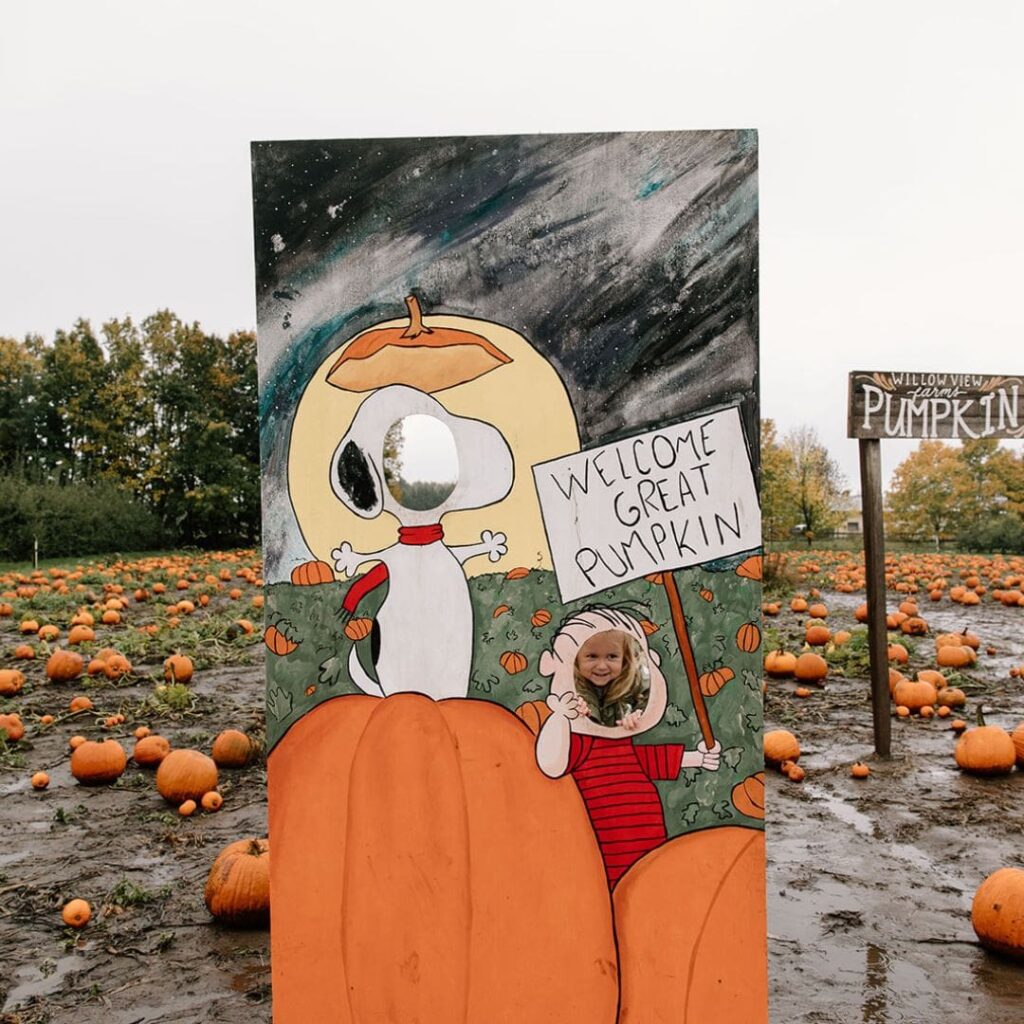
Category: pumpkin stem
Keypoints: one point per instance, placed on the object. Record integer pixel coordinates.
(254, 848)
(981, 716)
(416, 326)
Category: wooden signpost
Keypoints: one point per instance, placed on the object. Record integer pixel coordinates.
(893, 404)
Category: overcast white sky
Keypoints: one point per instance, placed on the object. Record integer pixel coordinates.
(891, 150)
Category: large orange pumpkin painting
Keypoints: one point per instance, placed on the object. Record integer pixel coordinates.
(445, 879)
(424, 870)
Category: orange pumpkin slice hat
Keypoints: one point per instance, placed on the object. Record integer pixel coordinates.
(427, 358)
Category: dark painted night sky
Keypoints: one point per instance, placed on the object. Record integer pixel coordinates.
(629, 260)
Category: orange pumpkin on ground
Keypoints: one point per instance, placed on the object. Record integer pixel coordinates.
(62, 666)
(780, 664)
(1018, 742)
(997, 912)
(860, 770)
(212, 801)
(817, 634)
(372, 796)
(12, 725)
(985, 750)
(178, 668)
(238, 886)
(185, 775)
(914, 695)
(718, 931)
(810, 668)
(11, 681)
(150, 750)
(76, 913)
(232, 749)
(98, 763)
(780, 745)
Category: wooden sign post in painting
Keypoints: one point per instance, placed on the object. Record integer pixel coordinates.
(893, 404)
(508, 393)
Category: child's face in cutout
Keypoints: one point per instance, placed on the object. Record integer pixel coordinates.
(600, 659)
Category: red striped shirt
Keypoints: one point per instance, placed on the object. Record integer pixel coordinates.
(614, 777)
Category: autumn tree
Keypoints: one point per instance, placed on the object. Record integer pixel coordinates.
(972, 492)
(932, 494)
(778, 504)
(817, 483)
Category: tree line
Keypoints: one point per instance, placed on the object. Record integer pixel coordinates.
(143, 435)
(970, 494)
(147, 435)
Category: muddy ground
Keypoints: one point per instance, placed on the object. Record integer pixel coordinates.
(870, 882)
(869, 885)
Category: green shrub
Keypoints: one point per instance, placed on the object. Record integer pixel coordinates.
(73, 520)
(999, 531)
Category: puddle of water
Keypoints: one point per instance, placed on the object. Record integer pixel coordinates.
(13, 857)
(35, 983)
(866, 826)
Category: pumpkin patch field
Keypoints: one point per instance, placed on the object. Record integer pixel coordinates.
(874, 864)
(133, 865)
(131, 737)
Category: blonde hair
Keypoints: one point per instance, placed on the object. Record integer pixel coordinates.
(628, 683)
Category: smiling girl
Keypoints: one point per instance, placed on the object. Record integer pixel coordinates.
(609, 678)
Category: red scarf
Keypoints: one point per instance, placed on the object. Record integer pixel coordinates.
(417, 535)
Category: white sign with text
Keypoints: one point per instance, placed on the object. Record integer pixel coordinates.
(677, 496)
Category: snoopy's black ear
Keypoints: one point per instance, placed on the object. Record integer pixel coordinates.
(354, 478)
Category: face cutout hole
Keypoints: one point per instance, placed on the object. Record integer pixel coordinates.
(613, 676)
(421, 463)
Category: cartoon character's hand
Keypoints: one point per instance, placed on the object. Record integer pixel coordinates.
(630, 721)
(345, 559)
(495, 544)
(567, 705)
(712, 757)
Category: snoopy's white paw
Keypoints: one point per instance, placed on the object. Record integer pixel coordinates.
(495, 544)
(345, 559)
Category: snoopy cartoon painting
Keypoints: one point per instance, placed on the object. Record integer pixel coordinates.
(498, 792)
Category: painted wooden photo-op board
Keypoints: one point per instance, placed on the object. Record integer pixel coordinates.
(508, 395)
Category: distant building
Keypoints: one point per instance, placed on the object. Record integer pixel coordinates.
(852, 522)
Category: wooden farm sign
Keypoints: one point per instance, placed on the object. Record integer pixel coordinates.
(893, 404)
(959, 406)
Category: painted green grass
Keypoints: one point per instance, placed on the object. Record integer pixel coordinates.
(318, 669)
